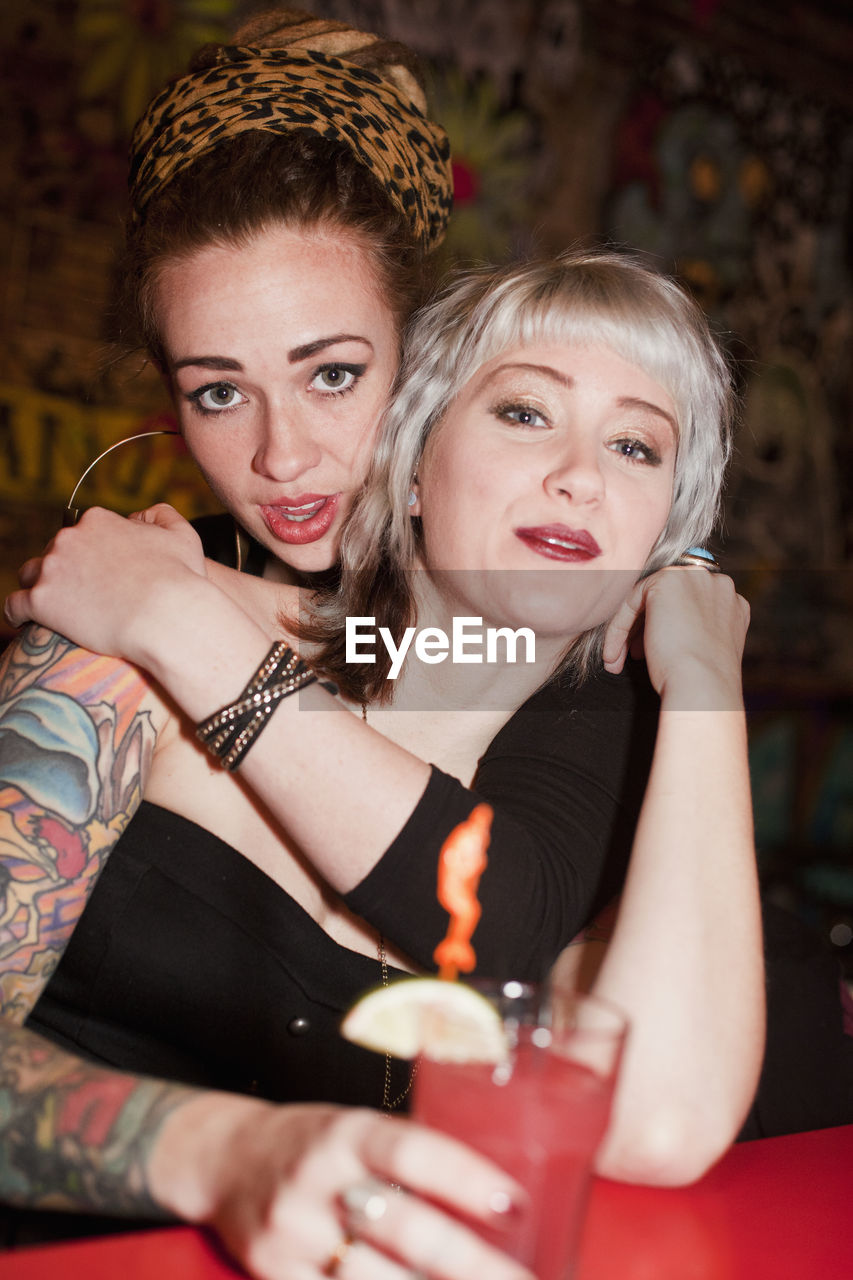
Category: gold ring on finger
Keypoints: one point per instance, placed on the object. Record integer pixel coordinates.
(333, 1265)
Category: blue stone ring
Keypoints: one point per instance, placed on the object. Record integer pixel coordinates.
(698, 558)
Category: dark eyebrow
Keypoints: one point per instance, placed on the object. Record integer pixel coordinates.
(209, 362)
(633, 402)
(311, 348)
(293, 357)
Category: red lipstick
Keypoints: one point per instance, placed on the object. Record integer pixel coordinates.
(303, 519)
(559, 542)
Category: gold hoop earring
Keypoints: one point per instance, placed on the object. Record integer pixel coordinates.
(238, 545)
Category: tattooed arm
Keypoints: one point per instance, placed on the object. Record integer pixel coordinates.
(75, 1136)
(267, 1179)
(76, 742)
(77, 736)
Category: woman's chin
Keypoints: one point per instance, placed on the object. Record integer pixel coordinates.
(555, 606)
(299, 560)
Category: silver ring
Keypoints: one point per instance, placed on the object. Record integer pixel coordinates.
(698, 558)
(365, 1202)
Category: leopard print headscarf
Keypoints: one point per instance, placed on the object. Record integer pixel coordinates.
(306, 84)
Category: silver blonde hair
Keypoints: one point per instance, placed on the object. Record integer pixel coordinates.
(610, 298)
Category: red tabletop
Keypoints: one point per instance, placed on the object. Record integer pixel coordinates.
(779, 1209)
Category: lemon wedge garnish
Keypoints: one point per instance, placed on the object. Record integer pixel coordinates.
(447, 1021)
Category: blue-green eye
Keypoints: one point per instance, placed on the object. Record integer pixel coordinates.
(216, 397)
(523, 415)
(336, 378)
(637, 451)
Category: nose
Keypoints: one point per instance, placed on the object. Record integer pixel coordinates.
(287, 446)
(576, 473)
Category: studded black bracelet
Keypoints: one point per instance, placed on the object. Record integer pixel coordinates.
(231, 730)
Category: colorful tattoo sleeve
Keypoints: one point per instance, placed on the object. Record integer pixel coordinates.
(75, 1136)
(75, 750)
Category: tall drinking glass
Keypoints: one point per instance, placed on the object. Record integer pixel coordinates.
(541, 1114)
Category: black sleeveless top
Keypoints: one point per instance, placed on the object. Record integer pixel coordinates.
(191, 963)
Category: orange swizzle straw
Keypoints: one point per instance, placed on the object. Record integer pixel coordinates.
(460, 864)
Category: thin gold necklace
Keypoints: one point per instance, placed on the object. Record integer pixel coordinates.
(388, 1103)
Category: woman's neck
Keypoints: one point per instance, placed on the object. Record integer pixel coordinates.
(277, 571)
(453, 659)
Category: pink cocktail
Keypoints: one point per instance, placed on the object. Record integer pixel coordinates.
(541, 1116)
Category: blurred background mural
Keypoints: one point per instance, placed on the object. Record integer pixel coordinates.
(714, 135)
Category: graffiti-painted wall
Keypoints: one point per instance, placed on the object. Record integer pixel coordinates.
(715, 136)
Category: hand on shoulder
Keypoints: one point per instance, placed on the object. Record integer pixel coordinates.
(107, 578)
(690, 626)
